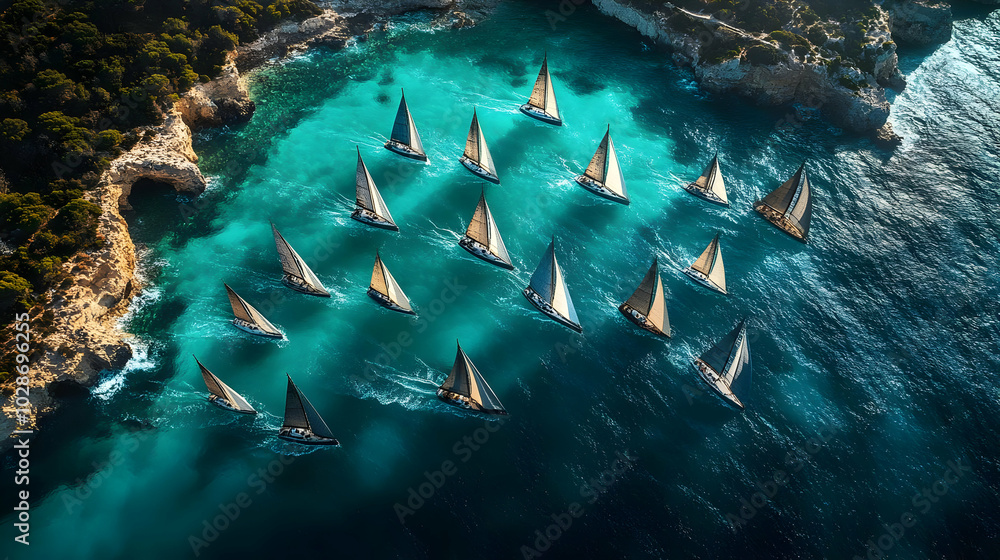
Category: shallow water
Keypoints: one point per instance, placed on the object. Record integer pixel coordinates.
(880, 335)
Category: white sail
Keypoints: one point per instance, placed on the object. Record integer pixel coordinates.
(404, 130)
(368, 196)
(483, 229)
(246, 312)
(710, 264)
(711, 180)
(476, 148)
(613, 179)
(466, 381)
(293, 264)
(223, 391)
(549, 283)
(383, 283)
(793, 200)
(543, 96)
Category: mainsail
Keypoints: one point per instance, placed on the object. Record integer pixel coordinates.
(466, 381)
(543, 96)
(223, 391)
(294, 266)
(246, 312)
(710, 264)
(730, 360)
(648, 299)
(793, 201)
(368, 196)
(548, 282)
(403, 129)
(476, 148)
(385, 284)
(300, 413)
(604, 168)
(483, 229)
(711, 181)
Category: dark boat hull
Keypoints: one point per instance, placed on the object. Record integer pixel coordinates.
(777, 220)
(381, 224)
(698, 193)
(537, 114)
(626, 310)
(384, 302)
(478, 171)
(530, 295)
(600, 191)
(468, 245)
(458, 401)
(404, 151)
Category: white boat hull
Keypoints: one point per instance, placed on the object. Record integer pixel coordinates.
(600, 190)
(251, 329)
(405, 151)
(305, 437)
(707, 196)
(384, 302)
(536, 113)
(640, 320)
(479, 251)
(718, 385)
(224, 404)
(702, 280)
(545, 308)
(463, 403)
(479, 171)
(368, 218)
(302, 288)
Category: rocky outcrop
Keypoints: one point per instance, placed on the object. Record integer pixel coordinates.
(844, 95)
(328, 29)
(920, 22)
(220, 101)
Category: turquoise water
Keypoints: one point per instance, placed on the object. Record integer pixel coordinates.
(874, 346)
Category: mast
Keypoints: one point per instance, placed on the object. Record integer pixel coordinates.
(383, 283)
(404, 130)
(730, 360)
(223, 391)
(476, 148)
(549, 283)
(543, 96)
(793, 200)
(710, 263)
(368, 196)
(466, 381)
(246, 312)
(711, 180)
(300, 413)
(483, 229)
(649, 300)
(293, 265)
(605, 169)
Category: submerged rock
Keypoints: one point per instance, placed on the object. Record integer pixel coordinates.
(886, 138)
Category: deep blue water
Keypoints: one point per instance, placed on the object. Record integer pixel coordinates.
(874, 346)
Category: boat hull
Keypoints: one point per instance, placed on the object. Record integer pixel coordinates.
(479, 171)
(641, 321)
(224, 404)
(718, 385)
(600, 190)
(364, 218)
(459, 401)
(405, 151)
(384, 302)
(536, 300)
(307, 290)
(538, 114)
(707, 196)
(308, 438)
(778, 220)
(255, 331)
(701, 280)
(475, 249)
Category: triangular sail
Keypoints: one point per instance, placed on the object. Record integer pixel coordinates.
(293, 264)
(246, 312)
(476, 148)
(730, 359)
(597, 170)
(542, 95)
(548, 282)
(465, 380)
(221, 390)
(368, 196)
(483, 229)
(385, 284)
(711, 180)
(648, 299)
(710, 263)
(300, 413)
(613, 179)
(404, 130)
(794, 200)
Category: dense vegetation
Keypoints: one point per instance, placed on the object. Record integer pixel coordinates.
(77, 78)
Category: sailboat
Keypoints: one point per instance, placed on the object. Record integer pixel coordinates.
(302, 423)
(789, 207)
(371, 209)
(298, 276)
(249, 319)
(482, 238)
(726, 367)
(710, 186)
(476, 157)
(466, 388)
(404, 139)
(542, 103)
(603, 176)
(708, 270)
(222, 395)
(548, 292)
(647, 307)
(386, 291)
